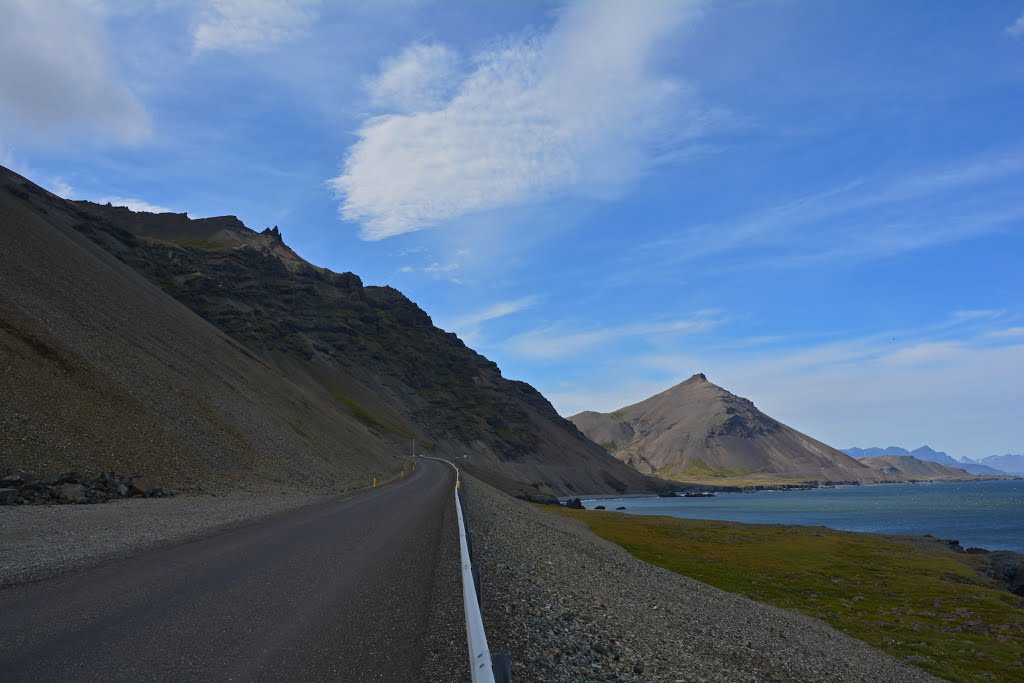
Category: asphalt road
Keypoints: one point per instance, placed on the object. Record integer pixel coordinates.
(336, 591)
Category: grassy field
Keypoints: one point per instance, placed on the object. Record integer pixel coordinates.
(912, 598)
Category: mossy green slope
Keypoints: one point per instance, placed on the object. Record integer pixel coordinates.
(913, 598)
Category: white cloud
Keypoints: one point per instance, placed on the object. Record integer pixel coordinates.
(550, 343)
(248, 26)
(421, 78)
(134, 204)
(468, 326)
(578, 110)
(498, 310)
(61, 188)
(1016, 29)
(976, 314)
(437, 268)
(56, 76)
(1007, 333)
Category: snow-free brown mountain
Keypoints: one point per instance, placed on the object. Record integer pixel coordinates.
(915, 469)
(201, 351)
(698, 431)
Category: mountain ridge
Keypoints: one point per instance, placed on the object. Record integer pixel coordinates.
(698, 431)
(367, 353)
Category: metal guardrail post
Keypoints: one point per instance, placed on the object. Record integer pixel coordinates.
(501, 665)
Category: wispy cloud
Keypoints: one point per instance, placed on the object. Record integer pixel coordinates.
(61, 188)
(1016, 29)
(495, 311)
(862, 218)
(579, 110)
(1008, 333)
(553, 342)
(57, 77)
(468, 326)
(421, 78)
(134, 204)
(249, 26)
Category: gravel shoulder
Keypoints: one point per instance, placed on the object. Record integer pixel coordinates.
(569, 606)
(39, 541)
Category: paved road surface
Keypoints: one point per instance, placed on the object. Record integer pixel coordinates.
(336, 591)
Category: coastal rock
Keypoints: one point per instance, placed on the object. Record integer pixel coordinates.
(72, 493)
(574, 504)
(72, 487)
(1007, 567)
(13, 478)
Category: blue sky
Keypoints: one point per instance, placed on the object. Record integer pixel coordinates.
(819, 204)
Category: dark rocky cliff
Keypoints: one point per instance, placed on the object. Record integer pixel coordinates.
(370, 348)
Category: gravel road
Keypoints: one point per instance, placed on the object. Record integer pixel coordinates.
(569, 606)
(38, 541)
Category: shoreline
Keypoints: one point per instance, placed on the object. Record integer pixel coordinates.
(694, 487)
(847, 520)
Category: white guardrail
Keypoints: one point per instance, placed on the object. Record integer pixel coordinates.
(483, 668)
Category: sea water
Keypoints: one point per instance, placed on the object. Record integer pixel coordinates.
(983, 514)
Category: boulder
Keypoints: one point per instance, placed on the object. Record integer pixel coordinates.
(600, 507)
(621, 507)
(72, 493)
(140, 486)
(8, 496)
(574, 504)
(14, 478)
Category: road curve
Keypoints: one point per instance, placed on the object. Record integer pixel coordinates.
(336, 591)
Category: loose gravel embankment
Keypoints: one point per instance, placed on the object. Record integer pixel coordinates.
(569, 606)
(39, 541)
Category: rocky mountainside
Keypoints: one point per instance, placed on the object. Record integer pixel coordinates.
(697, 431)
(103, 371)
(915, 469)
(367, 357)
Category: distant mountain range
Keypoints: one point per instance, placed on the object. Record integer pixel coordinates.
(697, 431)
(1011, 464)
(994, 465)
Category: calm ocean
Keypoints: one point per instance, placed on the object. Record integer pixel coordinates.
(985, 514)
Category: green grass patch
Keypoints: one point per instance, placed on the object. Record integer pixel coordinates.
(698, 470)
(912, 598)
(368, 418)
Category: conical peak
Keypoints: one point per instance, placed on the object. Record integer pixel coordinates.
(699, 377)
